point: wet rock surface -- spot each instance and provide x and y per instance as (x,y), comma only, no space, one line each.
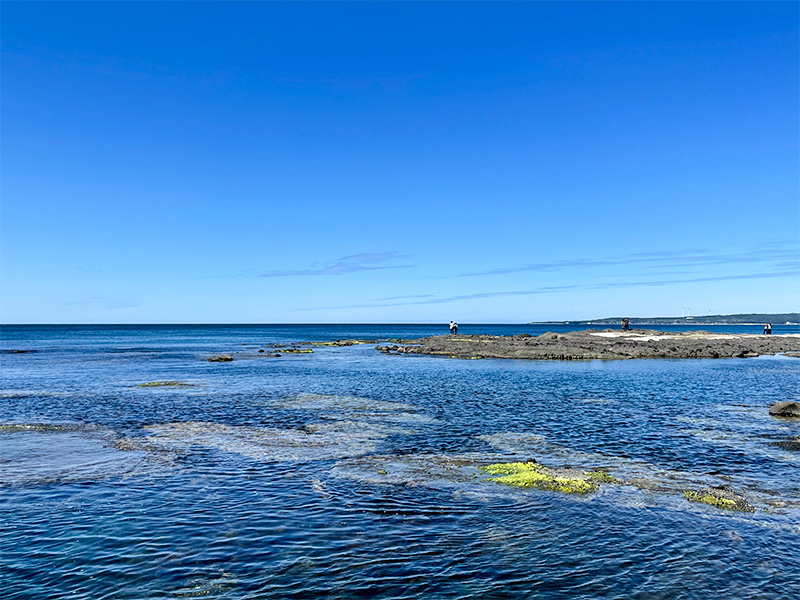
(793,444)
(340,343)
(787,408)
(608,344)
(220,358)
(720,497)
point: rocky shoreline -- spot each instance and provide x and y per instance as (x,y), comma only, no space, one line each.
(608,344)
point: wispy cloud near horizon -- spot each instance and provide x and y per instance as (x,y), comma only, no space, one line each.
(782,254)
(551,290)
(355,263)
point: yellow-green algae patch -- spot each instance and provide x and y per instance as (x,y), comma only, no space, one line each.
(531,474)
(720,498)
(164,384)
(296,351)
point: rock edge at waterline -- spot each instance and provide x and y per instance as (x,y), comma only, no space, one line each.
(607,344)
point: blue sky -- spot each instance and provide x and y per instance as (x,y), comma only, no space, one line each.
(397,162)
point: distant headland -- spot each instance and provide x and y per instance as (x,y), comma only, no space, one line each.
(739,319)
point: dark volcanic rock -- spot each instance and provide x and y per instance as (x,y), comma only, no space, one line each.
(793,444)
(788,408)
(608,344)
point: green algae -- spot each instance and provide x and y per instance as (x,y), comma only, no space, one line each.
(719,498)
(164,384)
(296,351)
(710,499)
(531,474)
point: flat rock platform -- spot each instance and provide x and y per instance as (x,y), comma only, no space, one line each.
(607,344)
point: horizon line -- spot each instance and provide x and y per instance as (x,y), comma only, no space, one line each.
(562,321)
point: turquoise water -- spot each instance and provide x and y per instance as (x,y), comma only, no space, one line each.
(347,473)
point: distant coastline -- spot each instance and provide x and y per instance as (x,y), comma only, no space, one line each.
(737,319)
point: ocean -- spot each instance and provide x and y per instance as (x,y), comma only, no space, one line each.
(347,473)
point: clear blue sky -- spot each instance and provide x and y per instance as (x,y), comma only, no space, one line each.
(397,162)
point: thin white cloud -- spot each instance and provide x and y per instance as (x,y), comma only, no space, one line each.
(779,253)
(354,263)
(555,289)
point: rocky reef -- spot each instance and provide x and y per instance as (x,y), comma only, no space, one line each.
(608,344)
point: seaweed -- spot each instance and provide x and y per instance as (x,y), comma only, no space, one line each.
(720,498)
(531,474)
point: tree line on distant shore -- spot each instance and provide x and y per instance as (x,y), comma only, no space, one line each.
(739,319)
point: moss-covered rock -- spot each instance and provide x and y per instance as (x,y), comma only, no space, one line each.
(531,474)
(602,477)
(720,497)
(296,350)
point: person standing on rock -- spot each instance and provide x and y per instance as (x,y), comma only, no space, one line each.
(453,326)
(625,324)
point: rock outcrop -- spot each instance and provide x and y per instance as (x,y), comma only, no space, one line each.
(593,344)
(788,408)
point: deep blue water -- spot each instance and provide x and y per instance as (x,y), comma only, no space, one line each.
(347,473)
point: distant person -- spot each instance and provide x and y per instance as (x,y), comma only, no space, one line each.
(455,328)
(769,328)
(626,324)
(452,327)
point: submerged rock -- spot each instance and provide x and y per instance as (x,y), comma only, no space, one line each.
(47,427)
(787,408)
(339,343)
(268,443)
(50,453)
(720,497)
(164,384)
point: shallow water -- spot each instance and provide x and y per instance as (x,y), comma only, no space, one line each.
(348,473)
